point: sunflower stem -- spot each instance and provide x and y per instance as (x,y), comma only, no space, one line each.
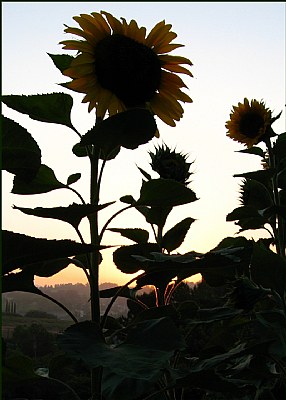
(96,373)
(278,231)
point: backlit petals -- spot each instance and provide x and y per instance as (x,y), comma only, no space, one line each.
(155,82)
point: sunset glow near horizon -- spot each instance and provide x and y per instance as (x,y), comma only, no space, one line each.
(238,51)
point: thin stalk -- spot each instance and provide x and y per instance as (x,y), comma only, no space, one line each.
(96,373)
(76,192)
(279,234)
(109,220)
(61,306)
(104,318)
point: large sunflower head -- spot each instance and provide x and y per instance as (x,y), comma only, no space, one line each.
(118,67)
(250,122)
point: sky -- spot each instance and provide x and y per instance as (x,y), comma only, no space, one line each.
(237,50)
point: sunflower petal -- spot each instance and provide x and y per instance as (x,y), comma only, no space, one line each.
(168,47)
(115,24)
(168,59)
(177,68)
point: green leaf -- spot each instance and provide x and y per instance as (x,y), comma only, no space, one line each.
(255,194)
(61,61)
(279,147)
(124,260)
(52,107)
(79,150)
(176,235)
(165,193)
(262,176)
(72,214)
(143,354)
(128,199)
(44,182)
(268,269)
(144,173)
(73,178)
(248,218)
(21,154)
(20,250)
(137,235)
(129,129)
(155,215)
(22,281)
(253,150)
(281,179)
(50,267)
(121,291)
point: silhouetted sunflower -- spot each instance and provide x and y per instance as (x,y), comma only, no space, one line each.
(118,66)
(249,123)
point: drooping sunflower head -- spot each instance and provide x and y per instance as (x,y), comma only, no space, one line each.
(250,122)
(170,164)
(118,67)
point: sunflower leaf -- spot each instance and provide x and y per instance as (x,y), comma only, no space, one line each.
(73,178)
(44,182)
(124,260)
(176,235)
(22,281)
(72,214)
(268,269)
(165,193)
(21,154)
(253,150)
(145,348)
(135,234)
(51,107)
(61,61)
(20,250)
(128,129)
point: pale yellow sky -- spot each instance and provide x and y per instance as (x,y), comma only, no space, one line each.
(238,50)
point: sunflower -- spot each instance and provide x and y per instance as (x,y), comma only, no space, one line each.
(249,123)
(118,67)
(170,164)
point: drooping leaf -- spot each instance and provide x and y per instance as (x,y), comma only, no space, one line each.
(248,218)
(72,214)
(73,178)
(61,61)
(139,236)
(143,354)
(50,107)
(165,193)
(176,235)
(50,267)
(21,154)
(22,281)
(124,261)
(44,181)
(128,129)
(20,250)
(155,215)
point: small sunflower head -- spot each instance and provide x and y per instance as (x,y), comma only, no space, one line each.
(170,164)
(250,123)
(245,294)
